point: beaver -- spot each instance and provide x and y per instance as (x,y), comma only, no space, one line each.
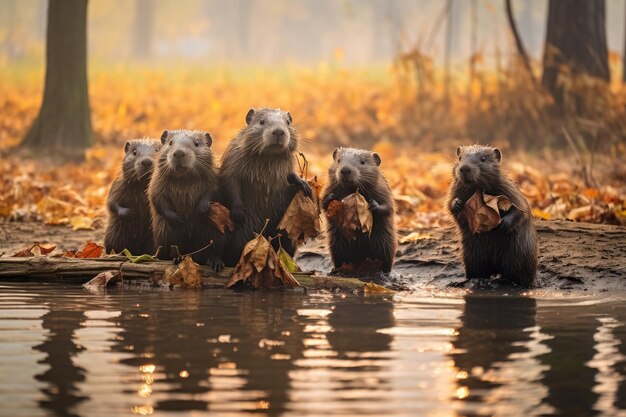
(510,249)
(184,182)
(358,169)
(128,226)
(258,180)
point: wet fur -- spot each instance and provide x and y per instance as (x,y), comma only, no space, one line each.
(179,200)
(128,225)
(511,248)
(258,183)
(367,178)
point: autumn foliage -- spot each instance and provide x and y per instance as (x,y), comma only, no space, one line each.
(331,107)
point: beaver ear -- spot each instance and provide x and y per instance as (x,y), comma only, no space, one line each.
(126,146)
(208,138)
(458,151)
(498,154)
(335,152)
(289,117)
(377,159)
(249,116)
(164,137)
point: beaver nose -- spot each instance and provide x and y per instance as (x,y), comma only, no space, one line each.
(278,133)
(465,169)
(345,170)
(179,153)
(147,163)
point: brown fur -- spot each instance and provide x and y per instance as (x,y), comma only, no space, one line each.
(128,226)
(352,170)
(511,248)
(258,179)
(184,182)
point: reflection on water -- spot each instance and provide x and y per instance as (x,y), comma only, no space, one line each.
(67,352)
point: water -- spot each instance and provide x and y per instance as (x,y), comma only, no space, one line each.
(65,351)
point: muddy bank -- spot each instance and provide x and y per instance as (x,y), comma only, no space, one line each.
(573,256)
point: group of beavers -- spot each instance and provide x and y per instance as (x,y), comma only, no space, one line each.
(162,198)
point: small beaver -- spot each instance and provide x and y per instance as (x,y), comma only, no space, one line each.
(128,226)
(184,182)
(511,248)
(352,170)
(257,178)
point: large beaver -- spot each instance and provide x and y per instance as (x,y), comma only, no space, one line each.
(184,182)
(258,179)
(511,248)
(352,170)
(128,226)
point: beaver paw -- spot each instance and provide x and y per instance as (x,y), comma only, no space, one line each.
(374,206)
(457,206)
(217,264)
(203,208)
(326,201)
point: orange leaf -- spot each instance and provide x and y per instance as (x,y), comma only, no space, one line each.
(90,250)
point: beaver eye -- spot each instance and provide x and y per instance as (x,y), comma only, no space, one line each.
(483,159)
(171,142)
(362,162)
(459,157)
(157,149)
(197,143)
(339,160)
(262,122)
(135,152)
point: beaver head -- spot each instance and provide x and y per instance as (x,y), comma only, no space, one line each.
(186,152)
(269,132)
(354,168)
(139,159)
(477,165)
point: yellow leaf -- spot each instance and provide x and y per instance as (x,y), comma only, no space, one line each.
(371,288)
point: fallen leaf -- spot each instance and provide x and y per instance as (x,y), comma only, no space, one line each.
(90,250)
(353,217)
(415,236)
(81,223)
(260,252)
(301,219)
(288,262)
(334,212)
(186,274)
(104,279)
(35,250)
(220,217)
(139,258)
(371,288)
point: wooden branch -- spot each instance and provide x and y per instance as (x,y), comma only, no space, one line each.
(521,50)
(79,271)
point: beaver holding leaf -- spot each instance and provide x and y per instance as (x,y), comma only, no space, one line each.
(506,246)
(352,171)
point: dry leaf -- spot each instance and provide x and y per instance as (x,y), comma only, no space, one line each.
(288,262)
(482,211)
(90,250)
(415,236)
(81,223)
(301,219)
(220,217)
(261,267)
(35,250)
(353,217)
(104,279)
(371,288)
(186,274)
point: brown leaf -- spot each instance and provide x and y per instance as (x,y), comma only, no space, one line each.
(186,274)
(334,212)
(104,279)
(353,217)
(35,250)
(90,250)
(301,219)
(482,211)
(220,217)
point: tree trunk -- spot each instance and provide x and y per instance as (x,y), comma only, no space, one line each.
(64,120)
(575,42)
(143,29)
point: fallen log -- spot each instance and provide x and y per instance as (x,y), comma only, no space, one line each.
(79,271)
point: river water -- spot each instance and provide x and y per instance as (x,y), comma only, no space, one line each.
(66,351)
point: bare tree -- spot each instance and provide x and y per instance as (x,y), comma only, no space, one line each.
(64,120)
(576,40)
